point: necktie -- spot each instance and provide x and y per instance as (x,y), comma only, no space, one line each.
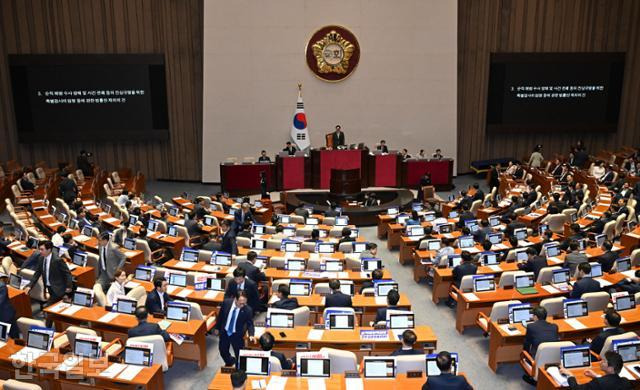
(103,259)
(231,328)
(46,272)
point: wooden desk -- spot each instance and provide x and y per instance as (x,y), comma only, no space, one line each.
(20,302)
(194,348)
(383,221)
(546,382)
(175,243)
(630,240)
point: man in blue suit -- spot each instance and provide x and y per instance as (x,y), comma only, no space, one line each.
(158,298)
(337,298)
(145,328)
(585,284)
(538,332)
(393,297)
(409,338)
(446,380)
(240,217)
(234,319)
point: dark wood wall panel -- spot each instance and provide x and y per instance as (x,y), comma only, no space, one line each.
(172,27)
(486,26)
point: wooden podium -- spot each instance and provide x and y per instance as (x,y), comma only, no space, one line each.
(345,183)
(329,140)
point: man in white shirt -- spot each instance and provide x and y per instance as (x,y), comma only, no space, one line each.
(57,239)
(123,198)
(56,278)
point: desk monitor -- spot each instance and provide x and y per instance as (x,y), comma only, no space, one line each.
(495,238)
(87,230)
(574,217)
(520,233)
(347,288)
(561,276)
(295,265)
(79,259)
(130,244)
(432,366)
(465,242)
(629,349)
(521,255)
(173,211)
(289,231)
(125,306)
(312,221)
(106,207)
(325,247)
(38,340)
(257,204)
(415,231)
(600,238)
(258,244)
(280,320)
(542,229)
(173,231)
(152,226)
(190,255)
(454,261)
(15,281)
(144,273)
(4,331)
(519,313)
(133,219)
(314,367)
(472,225)
(489,258)
(383,288)
(137,356)
(300,289)
(341,321)
(83,298)
(596,270)
(179,280)
(208,220)
(574,357)
(624,302)
(484,283)
(445,228)
(417,206)
(402,219)
(258,229)
(74,223)
(341,221)
(429,216)
(494,221)
(393,211)
(178,311)
(575,308)
(525,280)
(623,264)
(221,258)
(283,218)
(216,284)
(323,233)
(355,232)
(359,247)
(553,250)
(87,348)
(333,266)
(32,243)
(401,321)
(369,265)
(254,365)
(453,214)
(582,244)
(379,367)
(292,247)
(433,245)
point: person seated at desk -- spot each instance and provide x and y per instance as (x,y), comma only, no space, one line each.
(598,225)
(377,274)
(7,311)
(428,235)
(145,328)
(414,220)
(442,256)
(481,234)
(315,236)
(446,380)
(479,194)
(332,211)
(338,137)
(611,365)
(576,235)
(337,298)
(466,215)
(511,220)
(612,327)
(607,177)
(263,157)
(266,344)
(539,331)
(279,234)
(235,318)
(254,273)
(409,339)
(608,258)
(585,284)
(370,199)
(437,155)
(370,252)
(383,147)
(465,200)
(574,257)
(534,262)
(25,183)
(157,298)
(466,267)
(631,286)
(346,236)
(56,239)
(238,380)
(284,302)
(421,155)
(404,155)
(240,282)
(393,297)
(117,286)
(290,149)
(598,170)
(240,217)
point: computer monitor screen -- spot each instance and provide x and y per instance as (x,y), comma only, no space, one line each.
(453,214)
(561,276)
(295,264)
(152,226)
(15,281)
(215,284)
(429,216)
(125,306)
(173,211)
(495,238)
(522,255)
(143,274)
(179,280)
(178,312)
(347,288)
(312,221)
(254,365)
(596,270)
(79,259)
(258,244)
(432,366)
(323,233)
(481,284)
(38,340)
(489,258)
(221,258)
(173,231)
(82,299)
(341,221)
(378,367)
(4,331)
(292,247)
(520,313)
(369,265)
(392,211)
(299,289)
(415,230)
(258,229)
(628,349)
(582,244)
(383,288)
(133,219)
(87,230)
(494,221)
(574,357)
(524,281)
(341,321)
(401,321)
(281,320)
(86,348)
(130,244)
(600,239)
(623,264)
(542,229)
(333,266)
(326,247)
(359,247)
(315,367)
(190,255)
(573,309)
(465,242)
(445,228)
(402,219)
(625,302)
(520,234)
(454,261)
(137,356)
(553,250)
(284,218)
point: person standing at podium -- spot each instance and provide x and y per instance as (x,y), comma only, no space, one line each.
(338,137)
(290,149)
(383,147)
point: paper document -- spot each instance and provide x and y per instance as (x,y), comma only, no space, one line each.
(603,282)
(258,384)
(554,372)
(73,309)
(294,274)
(555,260)
(550,289)
(575,324)
(27,354)
(58,307)
(185,264)
(108,317)
(354,384)
(381,300)
(130,372)
(211,294)
(69,363)
(131,284)
(164,324)
(495,268)
(171,289)
(277,383)
(316,383)
(185,293)
(471,296)
(315,334)
(624,373)
(505,328)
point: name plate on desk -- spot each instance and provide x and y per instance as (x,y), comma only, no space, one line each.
(374,335)
(414,374)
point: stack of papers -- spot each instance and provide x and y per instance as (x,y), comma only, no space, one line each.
(555,374)
(316,383)
(27,354)
(73,309)
(354,384)
(185,264)
(108,317)
(495,268)
(69,363)
(113,370)
(550,289)
(315,334)
(381,300)
(211,294)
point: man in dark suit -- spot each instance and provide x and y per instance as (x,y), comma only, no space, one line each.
(446,380)
(332,211)
(301,211)
(240,217)
(513,225)
(193,224)
(383,147)
(337,298)
(284,302)
(158,298)
(7,312)
(580,157)
(240,282)
(338,137)
(55,274)
(479,194)
(529,198)
(266,344)
(608,258)
(68,189)
(376,274)
(290,149)
(110,260)
(145,328)
(585,284)
(466,215)
(235,318)
(494,176)
(534,263)
(466,267)
(346,236)
(408,340)
(250,269)
(598,225)
(263,157)
(393,297)
(227,240)
(611,328)
(539,331)
(481,234)
(83,163)
(25,183)
(611,365)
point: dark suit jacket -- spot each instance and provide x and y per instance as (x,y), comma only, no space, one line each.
(68,189)
(338,299)
(252,271)
(479,195)
(381,313)
(598,225)
(338,139)
(466,216)
(253,299)
(607,382)
(7,312)
(580,158)
(284,362)
(331,213)
(607,260)
(598,342)
(145,328)
(239,220)
(405,352)
(512,226)
(153,302)
(534,265)
(287,304)
(228,243)
(383,148)
(27,185)
(446,382)
(84,165)
(60,278)
(465,268)
(292,150)
(193,227)
(584,285)
(244,321)
(539,332)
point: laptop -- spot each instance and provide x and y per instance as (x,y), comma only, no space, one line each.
(299,289)
(401,321)
(382,288)
(325,247)
(87,348)
(342,321)
(216,284)
(629,349)
(489,258)
(484,283)
(144,273)
(280,320)
(524,283)
(130,244)
(519,313)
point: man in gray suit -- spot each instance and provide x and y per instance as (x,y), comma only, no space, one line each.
(574,258)
(110,260)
